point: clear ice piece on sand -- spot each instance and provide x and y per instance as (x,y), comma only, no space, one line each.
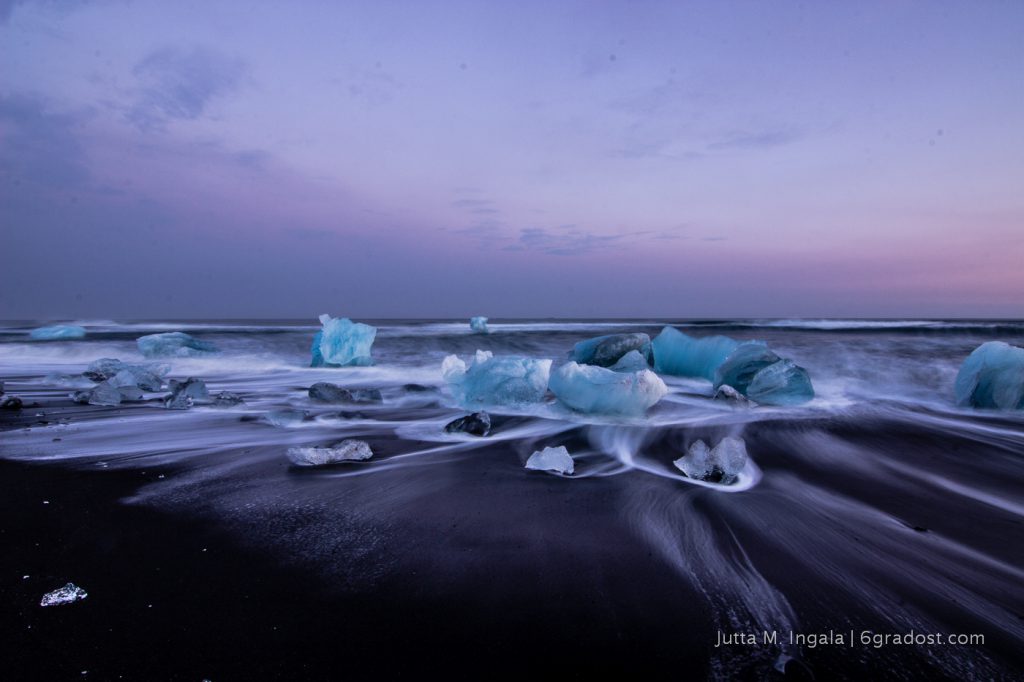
(992,376)
(719,464)
(65,595)
(345,451)
(479,325)
(677,354)
(186,393)
(173,344)
(780,383)
(593,389)
(502,380)
(57,332)
(605,351)
(342,343)
(552,459)
(105,394)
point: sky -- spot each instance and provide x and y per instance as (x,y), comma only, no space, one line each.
(528,159)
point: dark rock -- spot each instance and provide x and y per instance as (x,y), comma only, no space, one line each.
(417,388)
(10,402)
(227,399)
(476,424)
(323,392)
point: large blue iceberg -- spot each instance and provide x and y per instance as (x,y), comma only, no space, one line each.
(173,345)
(342,343)
(681,355)
(592,389)
(503,380)
(479,325)
(57,332)
(992,376)
(605,351)
(750,367)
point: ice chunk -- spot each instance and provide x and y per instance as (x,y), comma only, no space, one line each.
(552,459)
(173,344)
(728,394)
(149,377)
(992,376)
(479,325)
(106,394)
(65,595)
(738,370)
(720,465)
(605,351)
(345,451)
(57,332)
(476,424)
(69,380)
(502,380)
(125,383)
(342,342)
(681,355)
(632,361)
(186,393)
(592,389)
(781,383)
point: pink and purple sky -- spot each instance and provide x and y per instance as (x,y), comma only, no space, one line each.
(532,159)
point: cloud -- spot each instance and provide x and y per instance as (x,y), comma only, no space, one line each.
(759,139)
(564,241)
(39,145)
(179,84)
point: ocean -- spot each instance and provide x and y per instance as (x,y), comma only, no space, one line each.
(879,508)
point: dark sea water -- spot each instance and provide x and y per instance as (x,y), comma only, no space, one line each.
(879,507)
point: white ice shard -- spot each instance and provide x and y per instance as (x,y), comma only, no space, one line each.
(345,451)
(65,595)
(479,325)
(593,389)
(342,343)
(552,459)
(719,464)
(992,376)
(502,380)
(173,344)
(57,332)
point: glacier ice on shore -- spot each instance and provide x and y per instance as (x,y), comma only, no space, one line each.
(186,393)
(490,380)
(749,367)
(593,389)
(632,361)
(173,344)
(720,464)
(345,451)
(148,377)
(479,325)
(342,343)
(992,376)
(65,595)
(681,355)
(57,331)
(552,459)
(605,351)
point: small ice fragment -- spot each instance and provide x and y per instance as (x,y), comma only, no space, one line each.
(342,342)
(57,332)
(476,424)
(605,351)
(681,355)
(367,395)
(728,394)
(186,393)
(720,464)
(551,459)
(503,380)
(346,450)
(479,325)
(174,344)
(65,595)
(285,417)
(992,376)
(69,380)
(593,389)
